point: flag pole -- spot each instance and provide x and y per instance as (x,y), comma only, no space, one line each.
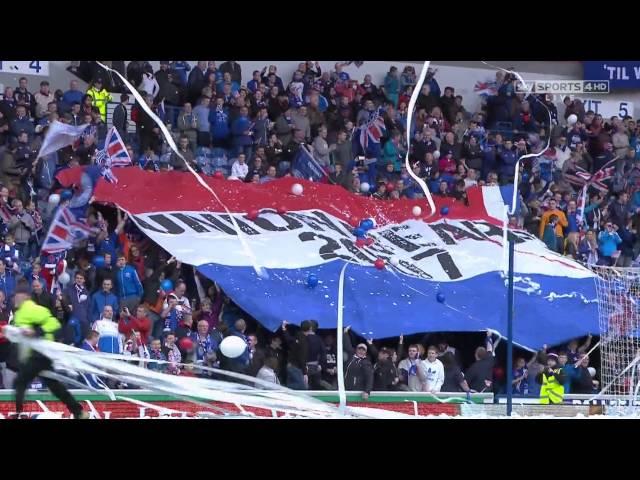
(510,327)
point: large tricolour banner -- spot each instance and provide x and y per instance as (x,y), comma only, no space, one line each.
(459,255)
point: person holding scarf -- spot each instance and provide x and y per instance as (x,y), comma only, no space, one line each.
(76,296)
(206,343)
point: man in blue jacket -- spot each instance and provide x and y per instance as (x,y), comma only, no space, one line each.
(241,139)
(508,161)
(77,297)
(608,241)
(7,280)
(128,286)
(102,298)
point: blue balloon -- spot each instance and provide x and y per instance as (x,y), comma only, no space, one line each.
(312,280)
(66,195)
(359,232)
(366,224)
(166,285)
(98,261)
(440,297)
(444,210)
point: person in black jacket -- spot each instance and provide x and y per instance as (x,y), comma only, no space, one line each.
(41,296)
(385,373)
(314,357)
(480,375)
(234,69)
(196,82)
(120,115)
(454,380)
(297,378)
(582,381)
(358,371)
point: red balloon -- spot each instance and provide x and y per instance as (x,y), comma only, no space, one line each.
(185,344)
(253,214)
(390,187)
(369,241)
(218,175)
(282,210)
(360,242)
(379,264)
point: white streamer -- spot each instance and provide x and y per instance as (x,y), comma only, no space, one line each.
(260,271)
(410,114)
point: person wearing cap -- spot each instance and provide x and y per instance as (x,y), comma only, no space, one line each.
(551,380)
(358,371)
(100,97)
(37,321)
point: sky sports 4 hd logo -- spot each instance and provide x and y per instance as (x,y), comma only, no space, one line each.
(563,87)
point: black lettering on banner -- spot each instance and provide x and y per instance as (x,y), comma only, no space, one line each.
(322,218)
(459,233)
(292,223)
(413,268)
(265,224)
(446,262)
(218,225)
(326,251)
(194,223)
(307,220)
(160,219)
(399,241)
(243,226)
(442,233)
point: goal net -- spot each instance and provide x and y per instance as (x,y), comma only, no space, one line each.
(618,292)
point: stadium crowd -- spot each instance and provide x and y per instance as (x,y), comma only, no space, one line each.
(255,127)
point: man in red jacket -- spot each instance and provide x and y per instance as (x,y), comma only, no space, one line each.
(140,323)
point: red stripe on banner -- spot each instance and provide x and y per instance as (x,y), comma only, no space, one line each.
(139,191)
(60,232)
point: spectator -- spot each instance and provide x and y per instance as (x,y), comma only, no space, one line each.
(582,380)
(520,383)
(206,341)
(408,369)
(185,150)
(385,373)
(358,371)
(220,127)
(608,241)
(256,355)
(8,104)
(41,296)
(241,134)
(23,97)
(42,100)
(480,375)
(561,223)
(297,378)
(392,86)
(188,124)
(267,372)
(156,354)
(107,328)
(21,225)
(232,68)
(171,352)
(73,95)
(128,286)
(321,150)
(100,97)
(454,380)
(22,123)
(119,118)
(329,364)
(201,114)
(7,281)
(431,371)
(239,168)
(196,81)
(103,298)
(300,120)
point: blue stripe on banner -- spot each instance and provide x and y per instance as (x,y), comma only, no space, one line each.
(381,304)
(507,196)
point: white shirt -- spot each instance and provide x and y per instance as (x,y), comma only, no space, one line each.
(268,375)
(433,373)
(239,170)
(414,382)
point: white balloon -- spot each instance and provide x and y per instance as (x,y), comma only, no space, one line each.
(54,199)
(572,119)
(64,278)
(592,371)
(436,154)
(364,187)
(233,346)
(417,211)
(297,189)
(394,261)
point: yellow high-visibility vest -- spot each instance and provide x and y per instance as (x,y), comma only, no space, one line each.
(551,391)
(100,100)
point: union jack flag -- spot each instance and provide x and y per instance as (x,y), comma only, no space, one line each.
(373,130)
(579,177)
(485,89)
(65,232)
(114,154)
